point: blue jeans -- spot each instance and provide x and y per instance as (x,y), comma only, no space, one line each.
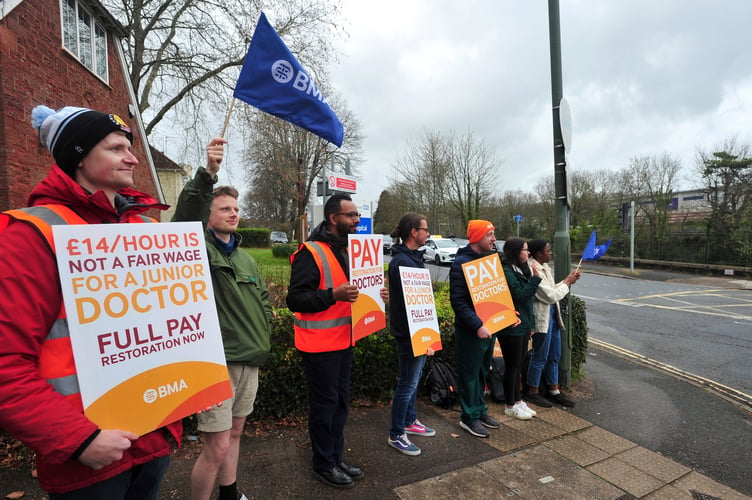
(139,483)
(546,353)
(403,402)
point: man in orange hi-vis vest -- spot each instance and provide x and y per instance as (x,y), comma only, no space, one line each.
(321,296)
(40,402)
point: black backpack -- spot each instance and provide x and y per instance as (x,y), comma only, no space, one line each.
(441,382)
(495,380)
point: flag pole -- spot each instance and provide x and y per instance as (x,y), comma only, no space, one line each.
(232,101)
(227,118)
(577,269)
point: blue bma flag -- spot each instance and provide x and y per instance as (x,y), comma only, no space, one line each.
(593,252)
(273,80)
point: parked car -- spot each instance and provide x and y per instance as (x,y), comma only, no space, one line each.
(387,241)
(278,237)
(440,250)
(461,241)
(499,244)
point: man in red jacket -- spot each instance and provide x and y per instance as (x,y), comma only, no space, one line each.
(40,402)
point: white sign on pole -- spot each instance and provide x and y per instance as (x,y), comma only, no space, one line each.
(565,123)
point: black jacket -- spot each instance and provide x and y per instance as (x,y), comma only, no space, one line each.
(304,295)
(401,256)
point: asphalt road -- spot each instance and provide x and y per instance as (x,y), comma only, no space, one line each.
(665,414)
(703,330)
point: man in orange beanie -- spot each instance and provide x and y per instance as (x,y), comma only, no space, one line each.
(474,342)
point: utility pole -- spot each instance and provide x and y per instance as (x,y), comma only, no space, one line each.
(562,255)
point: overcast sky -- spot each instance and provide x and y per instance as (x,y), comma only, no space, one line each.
(642,77)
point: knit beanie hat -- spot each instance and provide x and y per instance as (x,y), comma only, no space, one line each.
(70,133)
(477,229)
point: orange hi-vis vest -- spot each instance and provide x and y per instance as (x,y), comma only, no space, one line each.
(56,363)
(328,330)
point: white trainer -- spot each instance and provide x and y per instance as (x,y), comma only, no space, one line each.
(527,408)
(517,412)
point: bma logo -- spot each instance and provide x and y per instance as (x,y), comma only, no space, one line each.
(282,71)
(152,395)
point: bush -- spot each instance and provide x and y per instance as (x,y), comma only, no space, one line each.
(283,250)
(255,237)
(445,315)
(282,385)
(578,324)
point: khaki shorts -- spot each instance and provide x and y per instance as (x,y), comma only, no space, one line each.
(244,380)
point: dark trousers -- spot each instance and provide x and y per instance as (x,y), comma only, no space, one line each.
(139,483)
(514,349)
(328,375)
(472,361)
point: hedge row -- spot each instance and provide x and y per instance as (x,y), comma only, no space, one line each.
(282,385)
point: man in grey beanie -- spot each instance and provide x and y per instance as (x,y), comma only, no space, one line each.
(40,403)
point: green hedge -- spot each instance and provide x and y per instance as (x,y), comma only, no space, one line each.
(255,237)
(282,385)
(283,250)
(578,324)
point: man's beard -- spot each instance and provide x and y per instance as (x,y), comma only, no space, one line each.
(343,229)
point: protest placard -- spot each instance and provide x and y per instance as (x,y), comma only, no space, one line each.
(489,292)
(143,323)
(420,306)
(366,273)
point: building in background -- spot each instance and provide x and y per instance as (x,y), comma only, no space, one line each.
(60,53)
(172,178)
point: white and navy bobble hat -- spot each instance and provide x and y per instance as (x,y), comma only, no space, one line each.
(70,133)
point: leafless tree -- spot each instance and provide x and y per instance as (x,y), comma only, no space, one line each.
(283,162)
(472,175)
(184,56)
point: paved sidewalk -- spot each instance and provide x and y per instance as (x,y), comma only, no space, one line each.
(556,455)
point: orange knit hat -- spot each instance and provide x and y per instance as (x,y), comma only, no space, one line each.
(477,229)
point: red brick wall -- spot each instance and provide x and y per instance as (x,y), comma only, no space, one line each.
(35,69)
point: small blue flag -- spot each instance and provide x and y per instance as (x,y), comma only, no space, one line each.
(273,80)
(593,252)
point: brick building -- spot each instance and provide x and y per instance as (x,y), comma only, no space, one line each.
(60,53)
(172,178)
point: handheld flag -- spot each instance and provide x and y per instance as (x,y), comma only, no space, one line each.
(273,80)
(593,252)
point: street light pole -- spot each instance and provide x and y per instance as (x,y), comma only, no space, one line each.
(562,257)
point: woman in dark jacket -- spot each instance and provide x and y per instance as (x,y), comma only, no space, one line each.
(523,284)
(410,234)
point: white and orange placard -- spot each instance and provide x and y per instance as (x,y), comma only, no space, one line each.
(143,323)
(489,292)
(420,306)
(367,273)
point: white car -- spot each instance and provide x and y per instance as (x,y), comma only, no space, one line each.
(440,250)
(278,237)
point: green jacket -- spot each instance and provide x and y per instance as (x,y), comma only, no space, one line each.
(240,293)
(523,291)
